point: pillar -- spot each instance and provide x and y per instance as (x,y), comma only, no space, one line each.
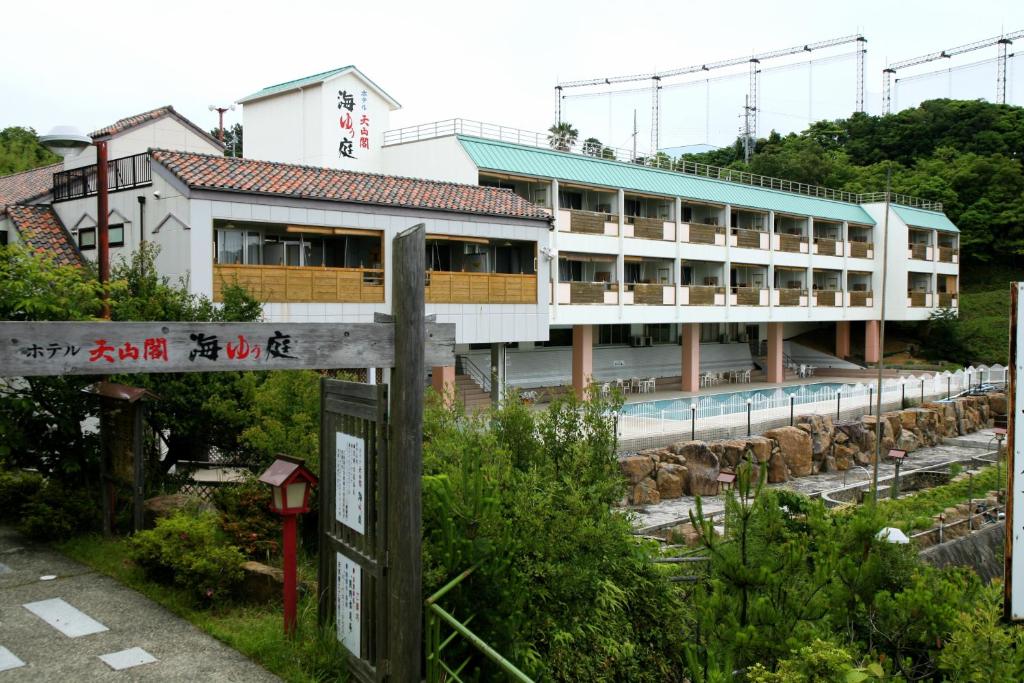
(871,333)
(690,334)
(774,368)
(443,382)
(842,338)
(497,372)
(582,358)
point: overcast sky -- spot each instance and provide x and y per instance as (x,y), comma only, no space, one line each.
(89,64)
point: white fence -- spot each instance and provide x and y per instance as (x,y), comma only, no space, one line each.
(723,416)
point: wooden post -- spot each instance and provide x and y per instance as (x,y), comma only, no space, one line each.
(405,459)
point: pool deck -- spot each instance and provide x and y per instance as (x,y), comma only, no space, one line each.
(675,511)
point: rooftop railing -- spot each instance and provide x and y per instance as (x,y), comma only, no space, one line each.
(660,160)
(124,173)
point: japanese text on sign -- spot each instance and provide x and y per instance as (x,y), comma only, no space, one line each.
(349,499)
(349,597)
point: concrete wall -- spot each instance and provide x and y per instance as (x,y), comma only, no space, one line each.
(438,159)
(165,133)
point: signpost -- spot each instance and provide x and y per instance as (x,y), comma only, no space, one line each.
(1013,573)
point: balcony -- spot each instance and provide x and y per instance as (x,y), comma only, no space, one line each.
(480,288)
(589,222)
(650,294)
(949,255)
(827,246)
(828,297)
(861,249)
(859,298)
(749,296)
(122,174)
(919,251)
(748,239)
(948,300)
(587,293)
(792,243)
(919,299)
(702,233)
(789,296)
(650,228)
(301,284)
(701,295)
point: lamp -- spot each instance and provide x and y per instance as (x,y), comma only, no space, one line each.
(65,141)
(291,484)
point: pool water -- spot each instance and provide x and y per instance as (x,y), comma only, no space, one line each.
(735,401)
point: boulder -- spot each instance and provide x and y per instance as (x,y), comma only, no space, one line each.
(732,452)
(908,442)
(670,480)
(908,418)
(821,429)
(761,446)
(777,469)
(996,403)
(646,493)
(795,446)
(685,534)
(159,507)
(261,583)
(636,467)
(844,457)
(895,424)
(702,467)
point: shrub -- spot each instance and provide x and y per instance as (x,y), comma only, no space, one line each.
(57,511)
(190,551)
(17,487)
(285,417)
(247,519)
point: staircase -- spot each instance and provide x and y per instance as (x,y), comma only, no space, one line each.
(470,393)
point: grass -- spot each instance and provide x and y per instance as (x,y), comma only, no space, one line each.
(916,511)
(312,656)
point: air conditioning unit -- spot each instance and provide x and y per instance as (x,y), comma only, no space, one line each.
(636,340)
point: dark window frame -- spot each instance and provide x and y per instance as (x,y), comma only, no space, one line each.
(86,247)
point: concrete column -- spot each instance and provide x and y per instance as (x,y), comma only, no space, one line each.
(774,368)
(871,349)
(498,380)
(842,338)
(582,358)
(690,333)
(443,382)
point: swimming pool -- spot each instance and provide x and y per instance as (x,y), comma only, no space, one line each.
(735,401)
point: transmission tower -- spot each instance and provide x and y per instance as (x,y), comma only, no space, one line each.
(655,112)
(861,51)
(748,134)
(751,106)
(1001,70)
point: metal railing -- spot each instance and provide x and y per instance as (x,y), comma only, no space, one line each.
(437,670)
(124,173)
(724,416)
(491,131)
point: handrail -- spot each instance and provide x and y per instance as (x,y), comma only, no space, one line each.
(434,644)
(475,373)
(660,160)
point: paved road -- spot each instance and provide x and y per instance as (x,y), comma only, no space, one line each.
(101,617)
(677,509)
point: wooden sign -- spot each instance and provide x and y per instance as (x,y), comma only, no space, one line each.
(34,349)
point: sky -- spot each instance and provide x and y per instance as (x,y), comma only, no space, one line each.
(89,64)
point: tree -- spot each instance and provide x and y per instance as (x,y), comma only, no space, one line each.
(232,139)
(562,136)
(20,151)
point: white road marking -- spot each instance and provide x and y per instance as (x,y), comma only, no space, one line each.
(8,660)
(126,659)
(65,618)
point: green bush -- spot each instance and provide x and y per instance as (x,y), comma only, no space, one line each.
(17,487)
(284,412)
(190,551)
(247,519)
(57,511)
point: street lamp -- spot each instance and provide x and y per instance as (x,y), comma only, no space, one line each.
(68,142)
(220,112)
(291,484)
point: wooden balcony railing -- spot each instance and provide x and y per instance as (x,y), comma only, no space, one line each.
(649,294)
(703,295)
(827,297)
(297,284)
(789,296)
(747,296)
(647,228)
(918,299)
(861,249)
(480,288)
(947,299)
(704,234)
(947,254)
(589,222)
(589,292)
(790,243)
(748,239)
(918,251)
(860,298)
(826,246)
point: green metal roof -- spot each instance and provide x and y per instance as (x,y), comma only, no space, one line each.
(534,161)
(919,218)
(315,78)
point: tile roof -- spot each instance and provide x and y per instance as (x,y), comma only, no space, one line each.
(41,229)
(137,120)
(18,188)
(512,158)
(210,172)
(921,218)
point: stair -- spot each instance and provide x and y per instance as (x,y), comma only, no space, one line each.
(470,393)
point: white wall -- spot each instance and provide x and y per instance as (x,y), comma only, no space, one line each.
(437,159)
(275,127)
(165,133)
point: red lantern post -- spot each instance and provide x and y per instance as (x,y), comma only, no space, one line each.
(292,484)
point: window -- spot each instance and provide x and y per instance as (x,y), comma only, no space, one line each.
(115,234)
(570,200)
(3,238)
(632,207)
(86,238)
(613,334)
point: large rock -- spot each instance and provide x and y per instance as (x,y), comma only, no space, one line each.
(646,493)
(761,446)
(821,429)
(777,469)
(856,436)
(795,445)
(996,403)
(702,467)
(637,467)
(731,452)
(670,480)
(908,442)
(844,457)
(261,583)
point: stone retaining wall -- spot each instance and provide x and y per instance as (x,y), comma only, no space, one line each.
(814,444)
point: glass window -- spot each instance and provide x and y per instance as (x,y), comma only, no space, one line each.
(229,246)
(87,238)
(115,234)
(253,248)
